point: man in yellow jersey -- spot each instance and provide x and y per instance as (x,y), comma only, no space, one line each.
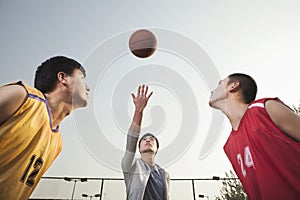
(30,139)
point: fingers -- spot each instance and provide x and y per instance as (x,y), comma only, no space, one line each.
(133,96)
(140,100)
(150,95)
(142,91)
(143,87)
(146,89)
(139,91)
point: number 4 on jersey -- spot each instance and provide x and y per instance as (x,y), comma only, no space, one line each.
(247,160)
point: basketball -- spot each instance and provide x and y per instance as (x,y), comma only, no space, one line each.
(142,43)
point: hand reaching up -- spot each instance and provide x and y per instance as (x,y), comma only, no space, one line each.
(141,99)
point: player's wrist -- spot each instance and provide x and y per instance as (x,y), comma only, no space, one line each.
(139,110)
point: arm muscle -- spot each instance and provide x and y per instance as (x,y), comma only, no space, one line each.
(284,118)
(11,98)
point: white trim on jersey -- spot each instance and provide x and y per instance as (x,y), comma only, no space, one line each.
(262,105)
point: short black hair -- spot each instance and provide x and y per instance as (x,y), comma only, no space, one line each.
(247,85)
(46,74)
(151,135)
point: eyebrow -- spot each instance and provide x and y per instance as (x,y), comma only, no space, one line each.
(150,137)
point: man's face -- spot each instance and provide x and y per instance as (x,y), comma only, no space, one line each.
(148,144)
(79,88)
(220,93)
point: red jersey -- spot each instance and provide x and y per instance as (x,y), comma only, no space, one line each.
(266,161)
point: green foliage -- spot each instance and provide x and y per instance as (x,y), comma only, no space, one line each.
(297,110)
(232,188)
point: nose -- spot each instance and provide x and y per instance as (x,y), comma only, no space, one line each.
(87,87)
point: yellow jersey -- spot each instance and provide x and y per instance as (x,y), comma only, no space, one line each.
(28,146)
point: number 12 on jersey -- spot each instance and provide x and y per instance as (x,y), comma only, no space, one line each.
(36,168)
(248,161)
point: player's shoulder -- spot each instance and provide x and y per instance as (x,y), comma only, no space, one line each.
(273,106)
(17,92)
(30,91)
(262,102)
(16,89)
(277,105)
(12,97)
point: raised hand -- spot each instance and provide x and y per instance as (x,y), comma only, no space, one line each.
(141,99)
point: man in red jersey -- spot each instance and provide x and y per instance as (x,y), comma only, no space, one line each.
(264,144)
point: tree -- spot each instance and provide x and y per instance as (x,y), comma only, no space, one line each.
(232,188)
(297,110)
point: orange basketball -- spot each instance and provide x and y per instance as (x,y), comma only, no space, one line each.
(142,43)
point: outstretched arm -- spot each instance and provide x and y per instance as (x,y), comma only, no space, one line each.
(284,118)
(12,97)
(140,101)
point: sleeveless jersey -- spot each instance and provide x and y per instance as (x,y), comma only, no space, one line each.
(266,161)
(28,146)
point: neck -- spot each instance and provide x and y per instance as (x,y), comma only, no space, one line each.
(233,107)
(149,158)
(234,112)
(58,109)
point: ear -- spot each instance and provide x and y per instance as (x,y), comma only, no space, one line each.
(234,87)
(62,77)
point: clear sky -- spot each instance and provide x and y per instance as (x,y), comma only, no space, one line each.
(199,42)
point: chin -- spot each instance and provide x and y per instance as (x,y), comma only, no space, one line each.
(80,105)
(84,104)
(148,151)
(210,103)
